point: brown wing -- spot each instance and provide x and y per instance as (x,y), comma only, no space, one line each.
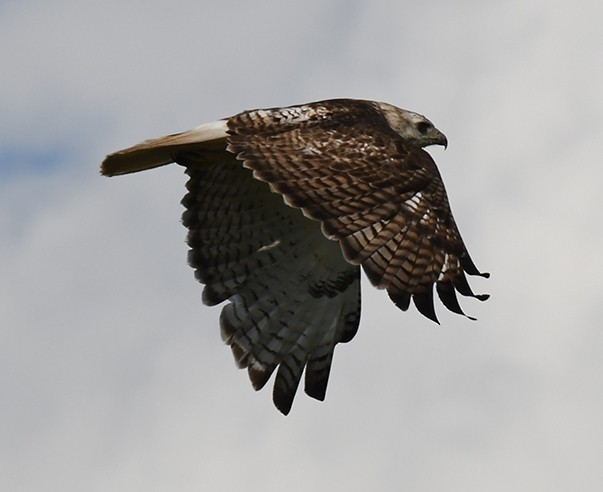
(381,198)
(292,295)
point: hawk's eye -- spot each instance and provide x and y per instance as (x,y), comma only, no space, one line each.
(423,127)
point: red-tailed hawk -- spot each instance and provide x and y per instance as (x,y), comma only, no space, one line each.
(283,207)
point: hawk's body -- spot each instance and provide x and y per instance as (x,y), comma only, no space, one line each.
(283,207)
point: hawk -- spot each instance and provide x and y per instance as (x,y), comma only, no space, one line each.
(284,206)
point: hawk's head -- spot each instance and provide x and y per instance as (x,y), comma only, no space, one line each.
(413,127)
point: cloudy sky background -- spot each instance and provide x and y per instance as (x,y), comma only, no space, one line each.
(113,375)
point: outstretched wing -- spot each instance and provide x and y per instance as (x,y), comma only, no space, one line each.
(382,199)
(292,295)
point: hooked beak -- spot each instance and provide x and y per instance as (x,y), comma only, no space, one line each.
(438,138)
(433,137)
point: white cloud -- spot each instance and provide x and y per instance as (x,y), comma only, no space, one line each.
(113,373)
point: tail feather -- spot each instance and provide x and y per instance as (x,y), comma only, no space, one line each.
(160,151)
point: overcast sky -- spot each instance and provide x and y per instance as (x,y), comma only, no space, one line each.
(113,375)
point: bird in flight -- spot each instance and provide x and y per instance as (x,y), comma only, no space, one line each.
(284,205)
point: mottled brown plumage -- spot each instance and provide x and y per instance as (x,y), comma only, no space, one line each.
(283,207)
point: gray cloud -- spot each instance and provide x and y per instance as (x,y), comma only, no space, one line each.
(113,373)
